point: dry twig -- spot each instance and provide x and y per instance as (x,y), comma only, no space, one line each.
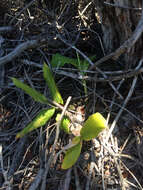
(54,145)
(67,179)
(124,104)
(127,45)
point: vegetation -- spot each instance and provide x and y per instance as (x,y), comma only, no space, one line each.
(63,66)
(91,128)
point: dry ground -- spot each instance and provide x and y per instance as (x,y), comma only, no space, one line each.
(112,161)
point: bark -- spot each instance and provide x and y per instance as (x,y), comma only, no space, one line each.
(119,19)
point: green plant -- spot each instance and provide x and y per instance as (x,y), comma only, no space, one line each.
(82,65)
(91,128)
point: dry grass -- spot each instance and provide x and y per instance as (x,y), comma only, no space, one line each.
(114,159)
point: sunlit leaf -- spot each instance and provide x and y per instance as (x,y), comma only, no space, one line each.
(71,156)
(65,123)
(93,126)
(51,84)
(40,120)
(37,96)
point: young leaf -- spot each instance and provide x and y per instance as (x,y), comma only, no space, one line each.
(64,124)
(71,156)
(37,96)
(93,126)
(51,84)
(40,120)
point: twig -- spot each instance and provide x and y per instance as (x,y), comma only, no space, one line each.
(31,63)
(121,110)
(124,104)
(17,15)
(118,165)
(67,179)
(132,176)
(122,7)
(110,83)
(5,29)
(18,155)
(76,179)
(54,145)
(90,62)
(18,50)
(102,165)
(60,120)
(92,164)
(126,45)
(37,180)
(76,49)
(7,181)
(67,112)
(120,76)
(116,157)
(113,154)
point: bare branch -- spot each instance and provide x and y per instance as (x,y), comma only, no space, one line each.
(127,45)
(122,7)
(4,29)
(18,50)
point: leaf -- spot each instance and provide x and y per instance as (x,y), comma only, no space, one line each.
(40,120)
(51,84)
(64,124)
(60,60)
(71,156)
(93,126)
(76,140)
(37,96)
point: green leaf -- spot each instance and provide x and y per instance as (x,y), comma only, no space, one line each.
(60,60)
(71,156)
(37,96)
(76,140)
(93,126)
(51,84)
(40,120)
(65,124)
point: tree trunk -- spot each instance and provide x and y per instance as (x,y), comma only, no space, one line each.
(119,19)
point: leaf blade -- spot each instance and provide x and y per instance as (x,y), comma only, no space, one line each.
(71,156)
(51,84)
(59,60)
(65,123)
(93,126)
(37,96)
(41,119)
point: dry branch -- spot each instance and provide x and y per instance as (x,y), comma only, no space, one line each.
(125,102)
(18,50)
(122,7)
(123,75)
(5,29)
(127,45)
(43,187)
